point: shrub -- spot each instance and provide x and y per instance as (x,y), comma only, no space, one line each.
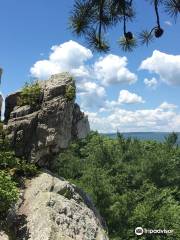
(30,95)
(13,171)
(8,192)
(26,169)
(70,92)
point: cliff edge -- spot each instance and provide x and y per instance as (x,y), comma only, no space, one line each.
(40,132)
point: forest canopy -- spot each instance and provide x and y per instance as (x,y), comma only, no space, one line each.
(133,183)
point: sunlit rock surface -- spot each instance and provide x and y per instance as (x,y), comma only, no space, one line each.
(53,209)
(41,132)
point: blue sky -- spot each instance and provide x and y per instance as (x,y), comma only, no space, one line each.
(112,88)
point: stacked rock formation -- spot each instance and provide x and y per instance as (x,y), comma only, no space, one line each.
(40,132)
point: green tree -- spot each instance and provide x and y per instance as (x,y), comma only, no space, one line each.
(92,19)
(171,139)
(132,182)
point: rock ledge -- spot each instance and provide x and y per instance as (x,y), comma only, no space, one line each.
(53,209)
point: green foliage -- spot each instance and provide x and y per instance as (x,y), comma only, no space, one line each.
(8,192)
(12,172)
(171,139)
(70,92)
(30,94)
(132,182)
(24,169)
(127,45)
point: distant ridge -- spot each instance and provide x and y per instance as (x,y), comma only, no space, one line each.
(157,136)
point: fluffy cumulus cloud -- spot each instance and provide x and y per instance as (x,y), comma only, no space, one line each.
(165,65)
(94,80)
(91,78)
(151,83)
(127,97)
(157,119)
(91,94)
(69,56)
(72,57)
(168,106)
(112,69)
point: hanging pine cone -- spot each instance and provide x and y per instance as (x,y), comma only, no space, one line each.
(158,32)
(128,35)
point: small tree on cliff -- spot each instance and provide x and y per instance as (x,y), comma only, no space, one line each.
(92,19)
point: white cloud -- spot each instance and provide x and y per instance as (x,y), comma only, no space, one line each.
(151,83)
(91,94)
(127,97)
(144,120)
(69,56)
(44,69)
(112,69)
(93,79)
(176,123)
(168,106)
(165,65)
(81,72)
(168,23)
(73,57)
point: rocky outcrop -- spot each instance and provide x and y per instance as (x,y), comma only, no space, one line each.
(3,236)
(40,132)
(49,208)
(10,103)
(53,209)
(1,101)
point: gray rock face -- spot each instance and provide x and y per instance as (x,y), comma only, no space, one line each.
(53,209)
(41,132)
(1,101)
(10,103)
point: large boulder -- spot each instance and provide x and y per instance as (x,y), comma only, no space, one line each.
(3,236)
(53,209)
(40,132)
